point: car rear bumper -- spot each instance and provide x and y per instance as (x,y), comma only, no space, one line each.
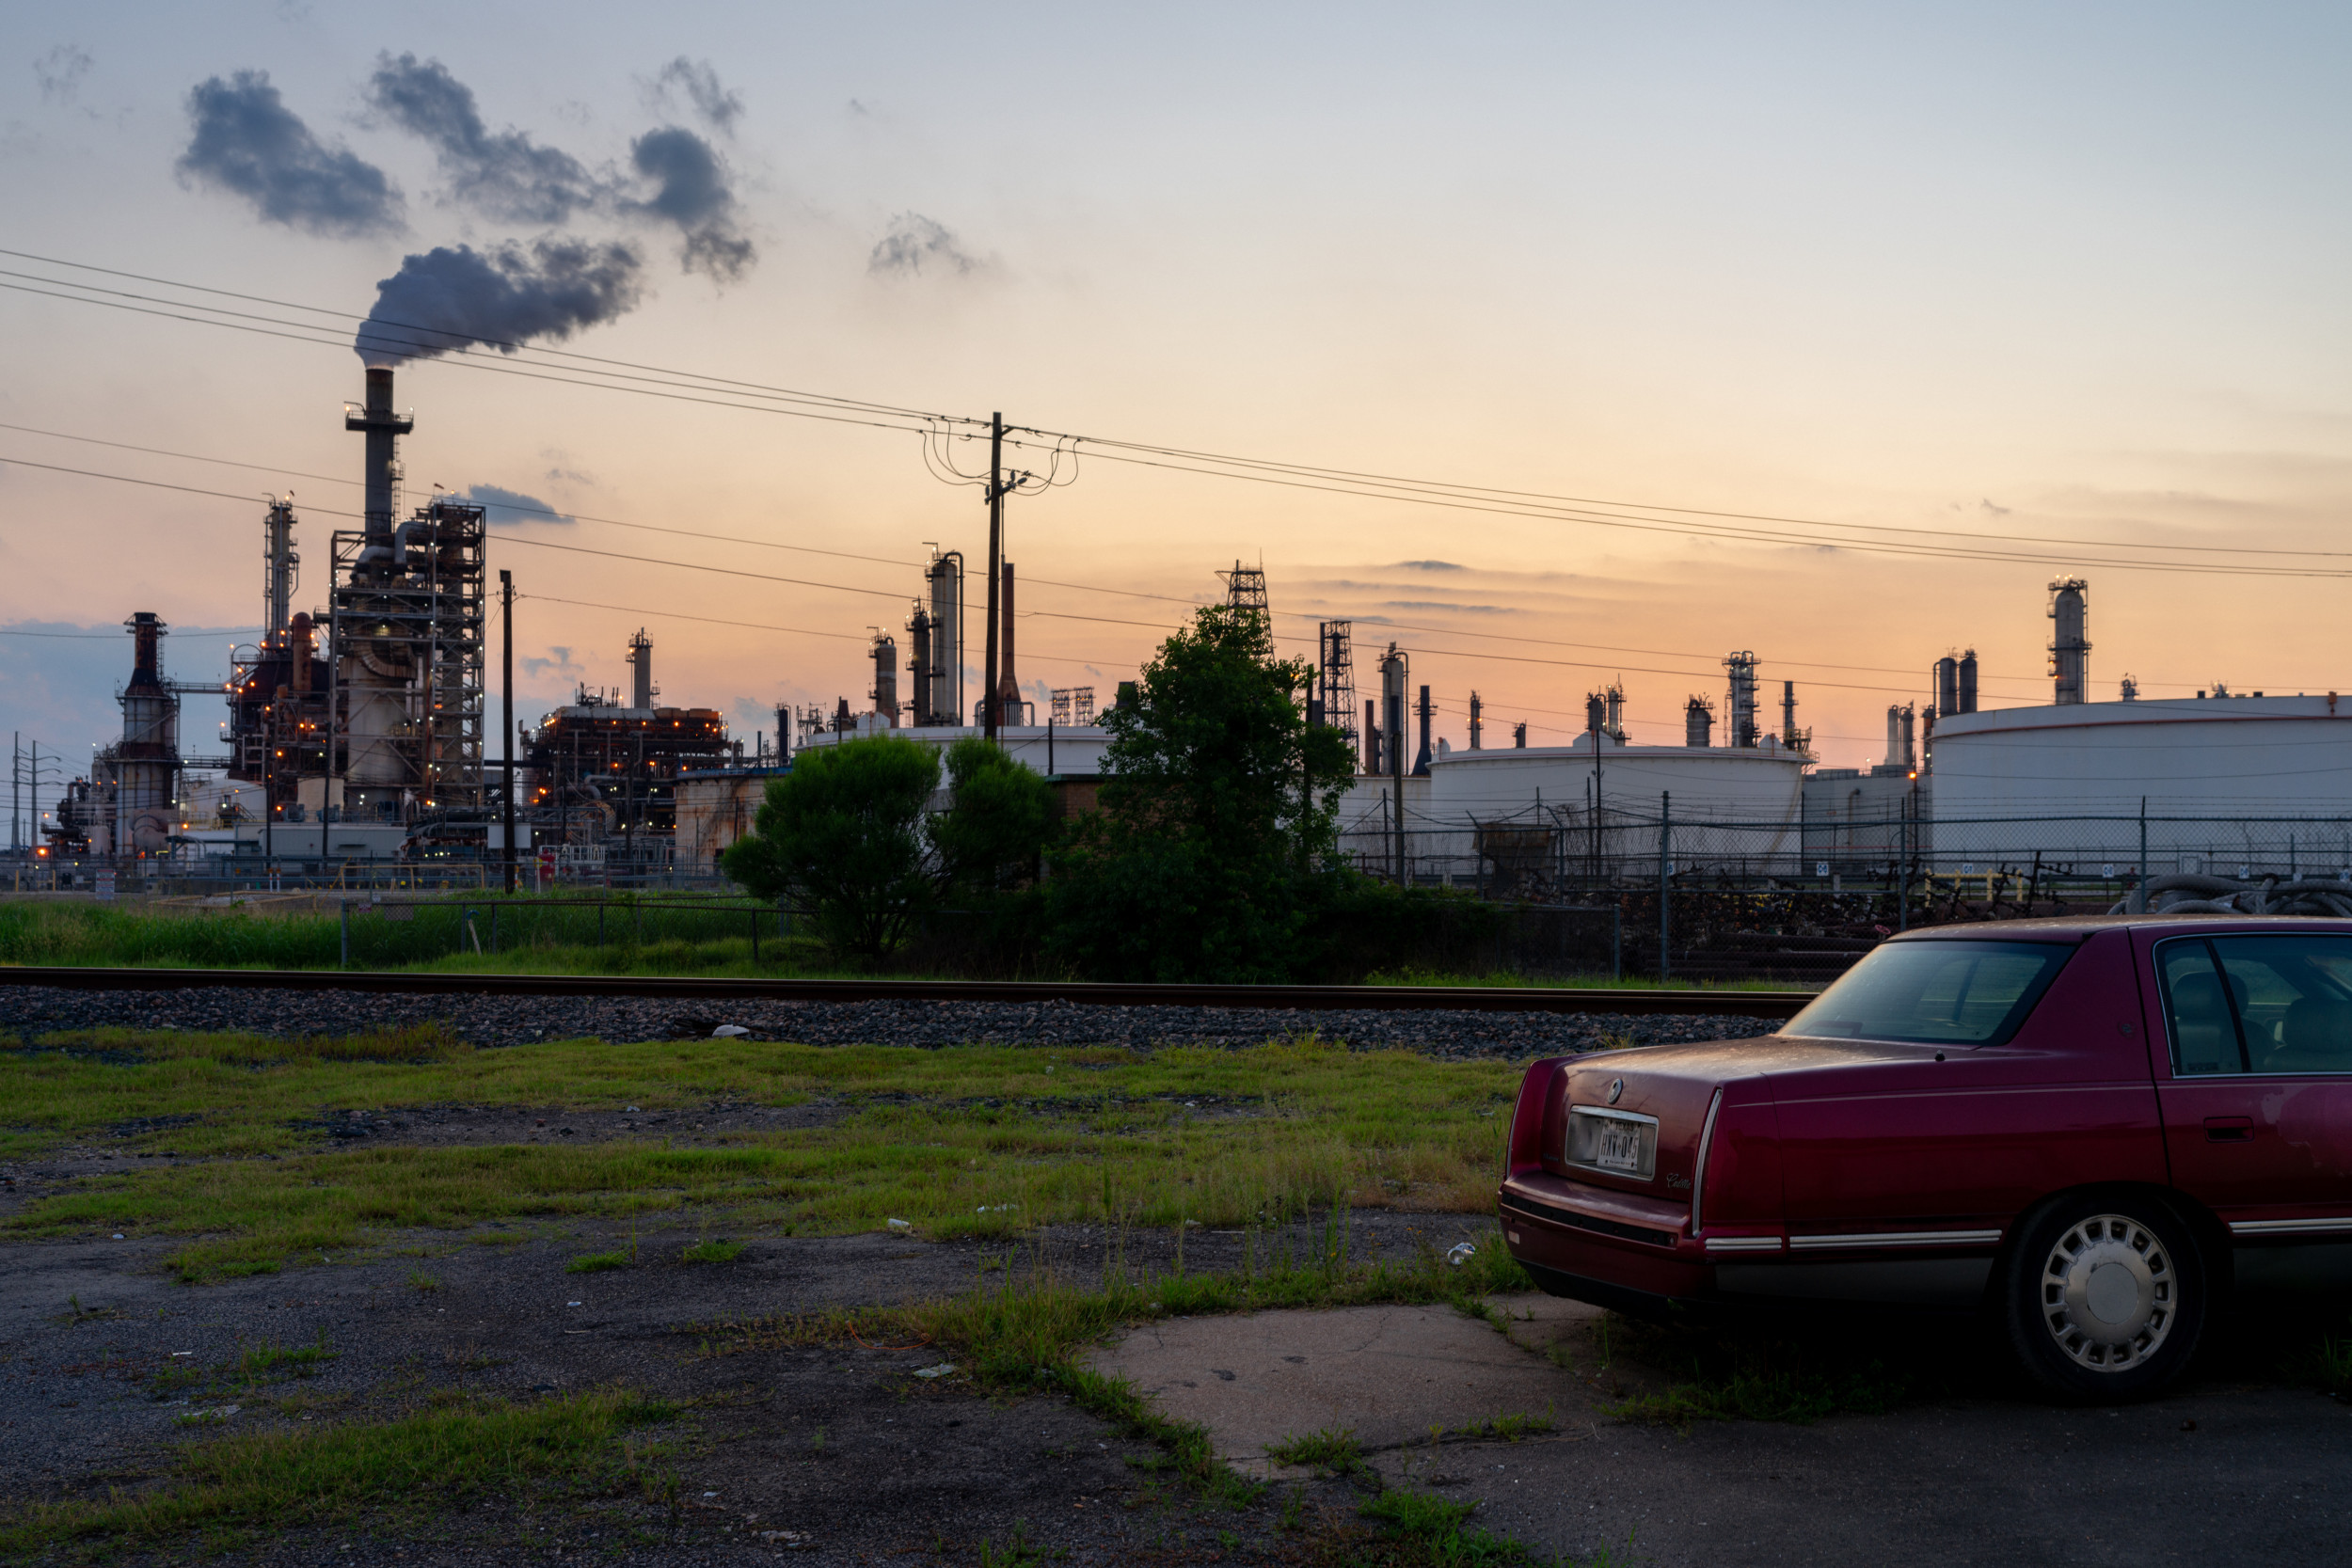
(1599,1248)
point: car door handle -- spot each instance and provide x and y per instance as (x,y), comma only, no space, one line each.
(2229,1130)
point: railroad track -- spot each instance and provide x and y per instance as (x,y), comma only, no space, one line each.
(1486,999)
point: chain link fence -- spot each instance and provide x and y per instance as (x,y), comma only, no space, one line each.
(1799,900)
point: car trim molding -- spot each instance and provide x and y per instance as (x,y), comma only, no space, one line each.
(1536,1210)
(1743,1244)
(1698,1172)
(2288,1227)
(1894,1238)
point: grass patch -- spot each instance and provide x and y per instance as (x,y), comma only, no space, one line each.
(229,1486)
(1417,1530)
(712,1252)
(596,1262)
(1332,1449)
(968,1141)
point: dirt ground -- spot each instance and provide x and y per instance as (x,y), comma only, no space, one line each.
(836,1454)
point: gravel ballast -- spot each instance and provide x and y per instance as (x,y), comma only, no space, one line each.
(33,1010)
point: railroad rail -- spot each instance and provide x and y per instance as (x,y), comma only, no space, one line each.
(1486,999)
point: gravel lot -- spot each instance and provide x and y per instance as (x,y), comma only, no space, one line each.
(31,1010)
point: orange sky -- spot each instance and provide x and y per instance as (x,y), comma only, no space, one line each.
(1973,270)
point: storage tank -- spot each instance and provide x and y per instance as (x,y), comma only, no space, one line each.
(2213,759)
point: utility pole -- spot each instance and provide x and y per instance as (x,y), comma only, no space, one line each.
(506,615)
(995,566)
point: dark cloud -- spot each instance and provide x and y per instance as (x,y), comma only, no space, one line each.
(560,665)
(697,84)
(915,243)
(501,505)
(506,175)
(1439,604)
(59,73)
(1431,566)
(692,192)
(450,298)
(247,142)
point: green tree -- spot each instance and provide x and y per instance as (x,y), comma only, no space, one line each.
(1216,842)
(992,837)
(843,832)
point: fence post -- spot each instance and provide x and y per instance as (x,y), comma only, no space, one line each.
(2139,891)
(1666,871)
(1902,870)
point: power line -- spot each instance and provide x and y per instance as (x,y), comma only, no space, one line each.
(1965,545)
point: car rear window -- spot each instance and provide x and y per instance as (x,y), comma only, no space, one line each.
(2258,1003)
(1937,992)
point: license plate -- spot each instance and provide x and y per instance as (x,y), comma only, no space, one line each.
(1620,1147)
(1622,1143)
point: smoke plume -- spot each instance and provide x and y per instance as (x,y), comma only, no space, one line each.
(450,298)
(692,193)
(694,81)
(501,505)
(247,142)
(915,243)
(506,175)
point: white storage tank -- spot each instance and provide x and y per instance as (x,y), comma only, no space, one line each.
(2070,781)
(1733,807)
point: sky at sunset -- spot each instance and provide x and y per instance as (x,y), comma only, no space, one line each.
(2063,285)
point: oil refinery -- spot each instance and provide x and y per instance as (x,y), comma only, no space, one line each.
(359,744)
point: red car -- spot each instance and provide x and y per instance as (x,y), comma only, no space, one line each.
(2094,1128)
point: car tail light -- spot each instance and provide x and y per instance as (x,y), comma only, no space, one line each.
(1538,1090)
(1698,1171)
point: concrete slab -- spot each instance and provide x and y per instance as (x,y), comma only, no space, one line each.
(1388,1373)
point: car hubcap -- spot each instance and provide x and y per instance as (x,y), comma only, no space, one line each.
(2108,1293)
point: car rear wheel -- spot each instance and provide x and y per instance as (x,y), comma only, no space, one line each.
(2105,1297)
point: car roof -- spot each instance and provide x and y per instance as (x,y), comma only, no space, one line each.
(2077,927)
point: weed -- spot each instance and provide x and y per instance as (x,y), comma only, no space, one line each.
(421,1282)
(1018,1553)
(596,1262)
(1508,1428)
(1422,1531)
(1333,1449)
(712,1252)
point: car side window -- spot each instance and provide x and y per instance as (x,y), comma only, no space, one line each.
(2293,1000)
(2205,1025)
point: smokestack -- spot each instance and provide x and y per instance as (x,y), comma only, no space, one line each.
(1519,738)
(885,691)
(282,567)
(1907,753)
(641,670)
(1008,706)
(1948,685)
(1699,722)
(146,631)
(1967,683)
(1477,717)
(1893,734)
(1371,735)
(383,428)
(1429,709)
(1788,737)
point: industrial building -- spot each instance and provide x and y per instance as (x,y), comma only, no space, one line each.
(600,767)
